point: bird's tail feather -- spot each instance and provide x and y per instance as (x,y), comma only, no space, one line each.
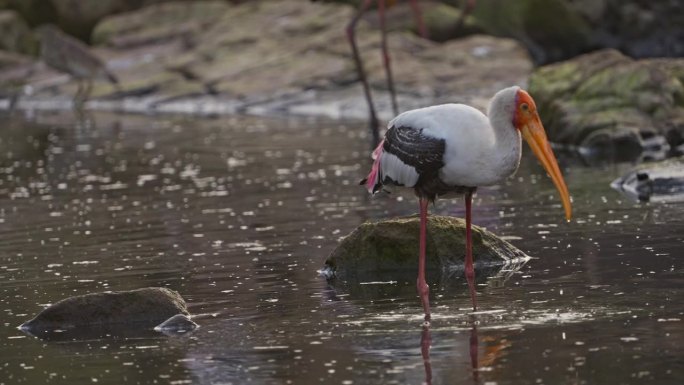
(373,182)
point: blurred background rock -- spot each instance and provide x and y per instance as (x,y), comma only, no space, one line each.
(292,57)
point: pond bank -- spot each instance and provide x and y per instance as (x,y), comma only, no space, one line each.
(273,58)
(292,58)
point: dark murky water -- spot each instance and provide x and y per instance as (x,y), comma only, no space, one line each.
(238,214)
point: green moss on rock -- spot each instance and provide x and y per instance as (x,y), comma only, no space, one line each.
(392,245)
(606,98)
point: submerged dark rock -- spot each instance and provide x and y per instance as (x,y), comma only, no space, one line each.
(655,181)
(605,101)
(137,309)
(391,246)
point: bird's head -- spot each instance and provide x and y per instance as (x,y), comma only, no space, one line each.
(527,121)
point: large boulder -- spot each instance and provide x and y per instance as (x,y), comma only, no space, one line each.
(390,247)
(605,100)
(137,309)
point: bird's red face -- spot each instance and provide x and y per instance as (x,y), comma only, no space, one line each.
(527,121)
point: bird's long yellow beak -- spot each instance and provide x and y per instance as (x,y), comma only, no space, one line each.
(534,134)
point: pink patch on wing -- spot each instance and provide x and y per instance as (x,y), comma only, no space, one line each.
(372,178)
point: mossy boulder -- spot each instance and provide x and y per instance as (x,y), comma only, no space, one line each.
(139,309)
(392,246)
(605,100)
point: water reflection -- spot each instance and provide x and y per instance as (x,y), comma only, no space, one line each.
(493,348)
(425,342)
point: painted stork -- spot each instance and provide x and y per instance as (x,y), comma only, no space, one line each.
(456,148)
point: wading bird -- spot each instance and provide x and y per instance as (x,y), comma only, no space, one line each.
(69,55)
(351,35)
(456,148)
(468,7)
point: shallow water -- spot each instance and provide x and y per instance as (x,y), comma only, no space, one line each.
(238,214)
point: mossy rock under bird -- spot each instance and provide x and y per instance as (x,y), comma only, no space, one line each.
(391,246)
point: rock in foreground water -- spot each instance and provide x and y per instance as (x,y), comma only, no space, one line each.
(392,245)
(142,309)
(654,182)
(605,101)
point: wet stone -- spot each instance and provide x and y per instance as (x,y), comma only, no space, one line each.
(139,309)
(654,181)
(391,246)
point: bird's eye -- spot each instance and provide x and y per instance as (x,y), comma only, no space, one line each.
(525,107)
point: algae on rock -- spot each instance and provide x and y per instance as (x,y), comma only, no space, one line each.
(392,245)
(607,100)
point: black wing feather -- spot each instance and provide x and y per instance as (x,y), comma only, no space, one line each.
(423,152)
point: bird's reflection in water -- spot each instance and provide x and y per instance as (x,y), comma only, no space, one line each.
(425,342)
(473,345)
(493,349)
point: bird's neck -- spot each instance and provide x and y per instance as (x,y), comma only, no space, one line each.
(508,143)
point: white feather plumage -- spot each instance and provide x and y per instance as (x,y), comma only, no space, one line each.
(480,150)
(397,170)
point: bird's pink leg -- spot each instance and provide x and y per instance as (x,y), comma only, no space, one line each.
(422,286)
(469,270)
(386,57)
(351,27)
(418,15)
